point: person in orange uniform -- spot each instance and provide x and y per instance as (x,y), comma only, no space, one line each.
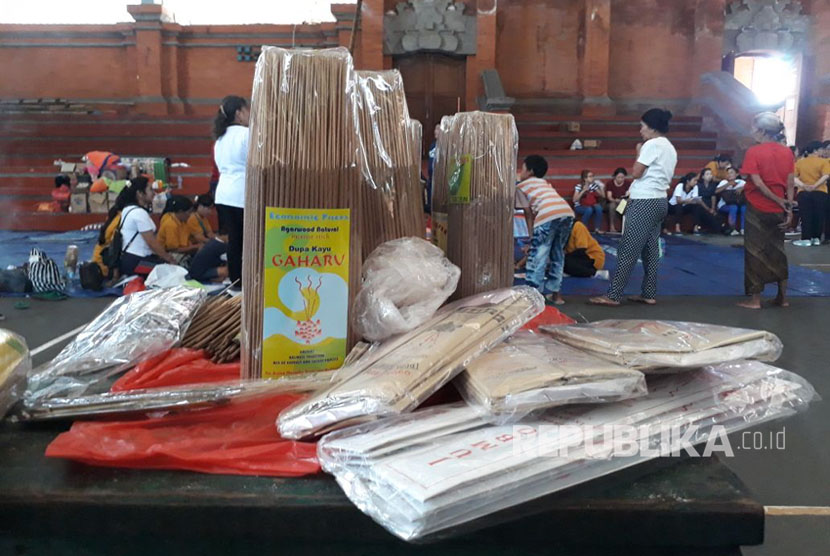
(173,233)
(719,166)
(583,254)
(200,229)
(812,171)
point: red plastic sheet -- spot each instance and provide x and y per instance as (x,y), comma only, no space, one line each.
(549,317)
(239,438)
(176,367)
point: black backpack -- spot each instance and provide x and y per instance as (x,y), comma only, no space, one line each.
(111,254)
(91,276)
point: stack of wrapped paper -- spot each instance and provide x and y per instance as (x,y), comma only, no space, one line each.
(531,372)
(652,345)
(438,468)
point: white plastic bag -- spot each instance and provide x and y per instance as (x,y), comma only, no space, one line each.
(166,276)
(404,282)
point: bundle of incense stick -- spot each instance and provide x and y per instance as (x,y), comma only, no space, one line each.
(303,153)
(479,166)
(391,197)
(215,328)
(440,168)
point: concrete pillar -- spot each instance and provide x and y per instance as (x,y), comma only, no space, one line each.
(595,58)
(148,57)
(485,57)
(369,45)
(707,50)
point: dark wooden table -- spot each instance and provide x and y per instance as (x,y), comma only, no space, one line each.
(686,507)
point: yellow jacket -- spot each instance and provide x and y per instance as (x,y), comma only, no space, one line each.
(173,233)
(581,238)
(98,249)
(199,228)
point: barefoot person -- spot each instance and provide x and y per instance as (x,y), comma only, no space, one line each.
(647,208)
(769,195)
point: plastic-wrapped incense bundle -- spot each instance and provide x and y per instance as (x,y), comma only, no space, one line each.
(480,165)
(410,368)
(391,198)
(302,218)
(440,188)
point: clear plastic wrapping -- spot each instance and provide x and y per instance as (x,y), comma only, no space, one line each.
(474,183)
(132,328)
(404,282)
(530,372)
(304,154)
(177,398)
(15,364)
(391,198)
(663,346)
(405,371)
(438,468)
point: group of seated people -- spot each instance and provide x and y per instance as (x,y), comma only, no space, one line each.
(591,197)
(184,235)
(717,189)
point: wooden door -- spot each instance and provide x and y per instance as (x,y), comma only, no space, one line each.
(435,87)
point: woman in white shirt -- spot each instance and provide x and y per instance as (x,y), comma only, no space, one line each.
(682,201)
(230,129)
(731,201)
(140,250)
(646,210)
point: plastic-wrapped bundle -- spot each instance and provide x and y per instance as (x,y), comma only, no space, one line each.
(440,185)
(404,283)
(416,136)
(530,372)
(663,346)
(15,364)
(410,368)
(175,398)
(438,468)
(304,153)
(477,160)
(391,199)
(132,328)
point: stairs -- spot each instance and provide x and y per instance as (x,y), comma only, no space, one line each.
(31,142)
(545,134)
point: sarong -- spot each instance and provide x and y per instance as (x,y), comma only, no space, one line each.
(765,260)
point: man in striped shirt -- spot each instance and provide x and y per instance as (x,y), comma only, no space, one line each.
(552,219)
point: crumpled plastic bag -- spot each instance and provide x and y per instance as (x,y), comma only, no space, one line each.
(15,364)
(404,282)
(166,276)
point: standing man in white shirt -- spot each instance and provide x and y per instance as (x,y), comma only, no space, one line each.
(648,207)
(230,129)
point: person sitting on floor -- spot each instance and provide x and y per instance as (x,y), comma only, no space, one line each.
(587,196)
(207,264)
(61,193)
(686,200)
(707,190)
(552,220)
(173,234)
(719,165)
(583,254)
(200,229)
(811,174)
(106,234)
(731,200)
(141,251)
(615,191)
